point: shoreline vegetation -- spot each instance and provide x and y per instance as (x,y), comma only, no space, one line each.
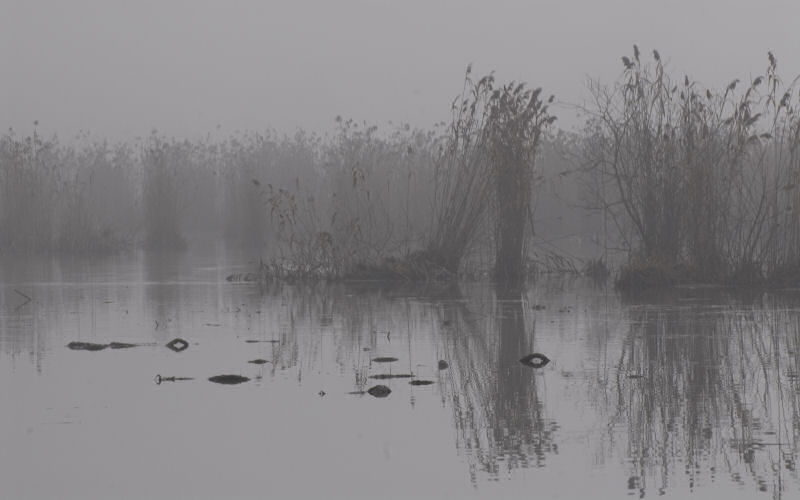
(667,183)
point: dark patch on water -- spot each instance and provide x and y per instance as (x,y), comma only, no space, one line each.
(535,360)
(228,379)
(91,346)
(384,359)
(379,391)
(385,376)
(122,345)
(242,278)
(421,382)
(86,346)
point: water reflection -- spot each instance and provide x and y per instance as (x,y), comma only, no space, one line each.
(709,390)
(521,434)
(695,391)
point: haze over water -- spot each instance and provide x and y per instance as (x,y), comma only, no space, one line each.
(153,376)
(120,70)
(690,394)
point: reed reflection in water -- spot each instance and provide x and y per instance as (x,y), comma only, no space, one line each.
(693,392)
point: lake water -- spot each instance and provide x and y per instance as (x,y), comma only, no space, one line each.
(693,393)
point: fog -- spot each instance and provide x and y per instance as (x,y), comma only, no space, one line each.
(407,249)
(189,68)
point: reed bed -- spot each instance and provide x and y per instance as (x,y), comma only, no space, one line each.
(700,182)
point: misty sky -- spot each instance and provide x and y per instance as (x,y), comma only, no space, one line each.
(122,68)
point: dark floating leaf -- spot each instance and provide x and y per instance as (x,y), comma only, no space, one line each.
(379,391)
(421,382)
(385,376)
(178,345)
(443,365)
(384,359)
(160,379)
(122,345)
(258,361)
(228,379)
(86,346)
(535,360)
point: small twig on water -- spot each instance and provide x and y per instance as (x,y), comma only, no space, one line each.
(26,297)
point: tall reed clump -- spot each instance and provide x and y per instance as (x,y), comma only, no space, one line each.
(161,201)
(376,187)
(96,201)
(487,162)
(347,206)
(245,163)
(463,177)
(28,181)
(70,199)
(517,119)
(696,180)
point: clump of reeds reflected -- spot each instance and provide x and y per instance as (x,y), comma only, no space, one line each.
(711,390)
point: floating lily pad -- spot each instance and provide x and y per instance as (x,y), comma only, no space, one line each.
(228,379)
(535,360)
(385,376)
(86,346)
(384,359)
(443,365)
(421,382)
(379,391)
(258,361)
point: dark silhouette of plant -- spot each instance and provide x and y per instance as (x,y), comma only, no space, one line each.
(698,182)
(463,179)
(517,119)
(488,160)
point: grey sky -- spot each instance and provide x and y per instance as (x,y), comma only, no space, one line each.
(120,68)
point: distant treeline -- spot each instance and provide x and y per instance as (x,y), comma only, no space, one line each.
(673,181)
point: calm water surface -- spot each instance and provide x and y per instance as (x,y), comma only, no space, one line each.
(692,394)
